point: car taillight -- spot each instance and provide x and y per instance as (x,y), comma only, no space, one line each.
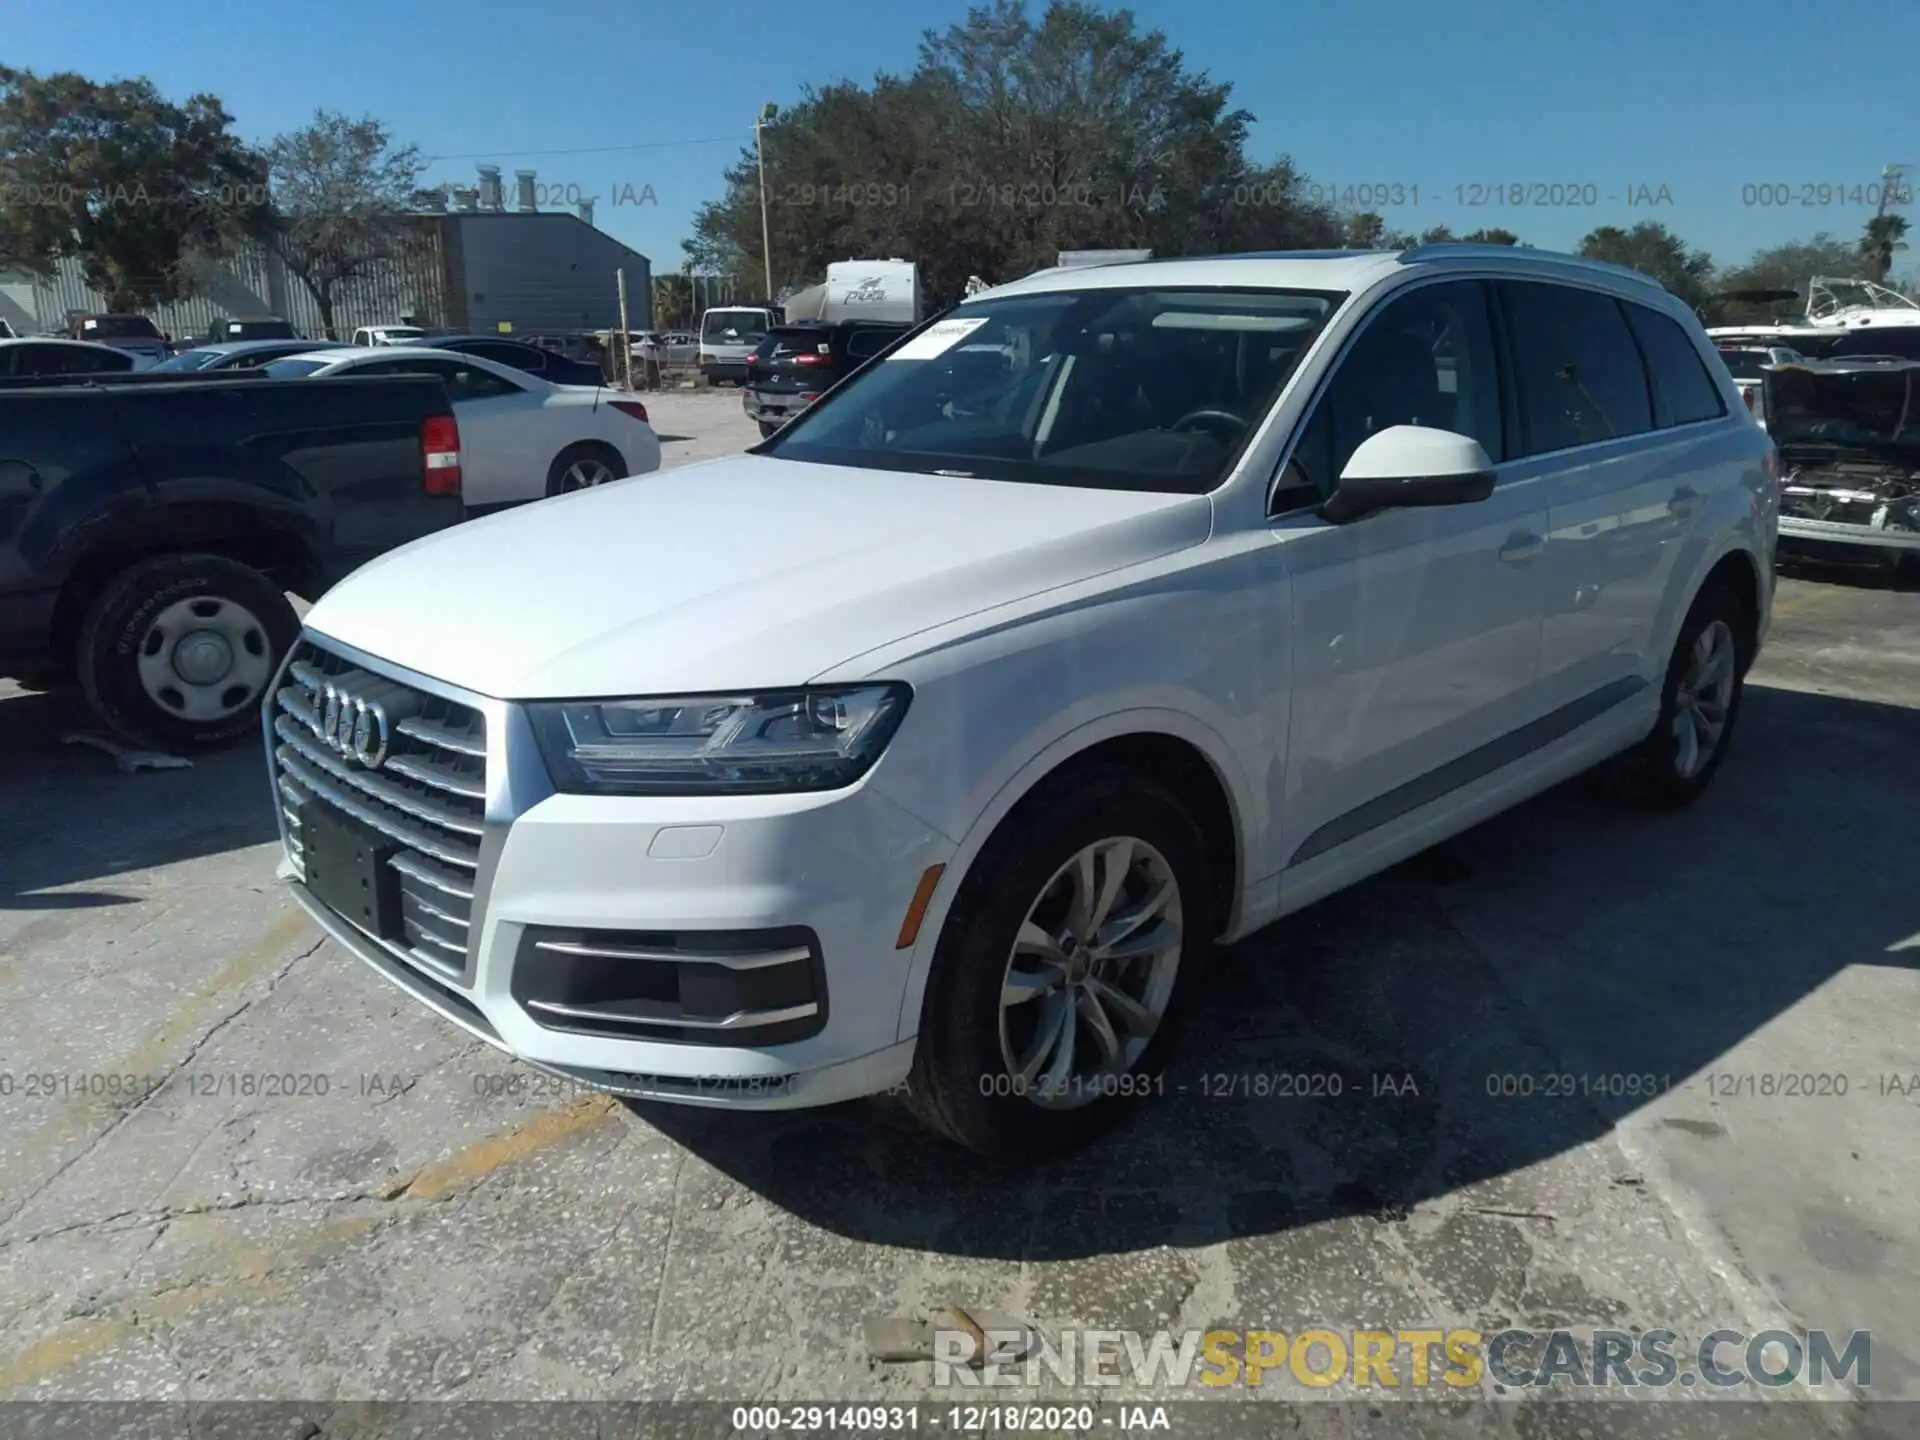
(440,455)
(630,407)
(1749,395)
(807,397)
(811,359)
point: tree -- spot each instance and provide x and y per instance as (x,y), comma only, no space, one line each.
(1655,250)
(1884,235)
(132,184)
(1014,138)
(1782,268)
(341,190)
(1492,235)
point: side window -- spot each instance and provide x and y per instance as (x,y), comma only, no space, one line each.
(866,344)
(464,382)
(1683,391)
(470,382)
(1576,364)
(1425,358)
(514,355)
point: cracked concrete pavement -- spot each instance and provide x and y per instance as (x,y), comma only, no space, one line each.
(236,1165)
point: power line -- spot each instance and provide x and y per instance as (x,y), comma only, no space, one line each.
(585,150)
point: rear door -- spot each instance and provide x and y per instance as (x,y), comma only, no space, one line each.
(1619,489)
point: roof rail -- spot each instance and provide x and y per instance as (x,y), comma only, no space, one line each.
(1526,254)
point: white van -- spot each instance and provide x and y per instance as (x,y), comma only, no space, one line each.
(728,335)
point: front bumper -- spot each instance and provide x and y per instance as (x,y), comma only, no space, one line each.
(1835,532)
(839,870)
(771,408)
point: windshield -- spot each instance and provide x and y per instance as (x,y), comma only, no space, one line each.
(190,360)
(1107,388)
(118,327)
(734,327)
(293,369)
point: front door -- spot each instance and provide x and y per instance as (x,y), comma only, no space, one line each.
(1414,634)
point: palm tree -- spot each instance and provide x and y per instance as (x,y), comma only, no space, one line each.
(1882,238)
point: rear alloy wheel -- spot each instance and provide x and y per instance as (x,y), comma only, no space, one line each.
(1063,966)
(1699,703)
(178,651)
(583,467)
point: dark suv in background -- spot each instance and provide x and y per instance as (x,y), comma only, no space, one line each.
(549,365)
(797,364)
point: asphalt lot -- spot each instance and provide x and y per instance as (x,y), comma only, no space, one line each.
(424,1218)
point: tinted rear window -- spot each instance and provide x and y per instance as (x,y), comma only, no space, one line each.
(1684,390)
(1580,377)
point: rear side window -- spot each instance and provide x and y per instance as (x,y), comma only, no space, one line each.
(1577,367)
(1683,390)
(865,344)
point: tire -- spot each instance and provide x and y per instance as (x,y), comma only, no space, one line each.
(768,431)
(144,638)
(963,1084)
(1661,772)
(563,475)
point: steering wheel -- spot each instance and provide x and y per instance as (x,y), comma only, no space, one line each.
(1205,419)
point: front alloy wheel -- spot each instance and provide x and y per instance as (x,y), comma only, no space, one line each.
(1051,1004)
(1091,973)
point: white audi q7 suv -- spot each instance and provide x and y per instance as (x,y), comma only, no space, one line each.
(929,746)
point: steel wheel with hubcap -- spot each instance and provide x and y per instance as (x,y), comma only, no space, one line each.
(177,650)
(1091,973)
(205,658)
(1063,964)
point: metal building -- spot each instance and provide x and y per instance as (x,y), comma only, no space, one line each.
(477,265)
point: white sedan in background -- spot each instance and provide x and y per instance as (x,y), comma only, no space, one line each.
(521,437)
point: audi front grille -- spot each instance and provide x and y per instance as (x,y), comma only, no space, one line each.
(407,768)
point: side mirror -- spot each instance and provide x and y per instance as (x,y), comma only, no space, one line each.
(1405,466)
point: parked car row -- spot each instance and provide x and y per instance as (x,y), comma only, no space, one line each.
(118,570)
(930,745)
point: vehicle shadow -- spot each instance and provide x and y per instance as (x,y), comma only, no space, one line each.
(1569,936)
(69,815)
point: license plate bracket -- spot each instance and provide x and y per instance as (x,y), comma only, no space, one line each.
(347,870)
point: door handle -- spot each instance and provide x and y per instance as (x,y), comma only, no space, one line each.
(1521,547)
(1684,500)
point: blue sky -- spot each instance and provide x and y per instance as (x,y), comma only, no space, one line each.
(1699,98)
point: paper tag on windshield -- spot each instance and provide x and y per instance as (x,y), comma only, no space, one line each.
(937,339)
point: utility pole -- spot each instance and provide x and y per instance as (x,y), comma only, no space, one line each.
(626,340)
(760,158)
(1889,184)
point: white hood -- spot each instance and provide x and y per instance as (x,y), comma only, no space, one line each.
(744,572)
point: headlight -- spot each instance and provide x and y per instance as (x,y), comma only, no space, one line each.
(718,744)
